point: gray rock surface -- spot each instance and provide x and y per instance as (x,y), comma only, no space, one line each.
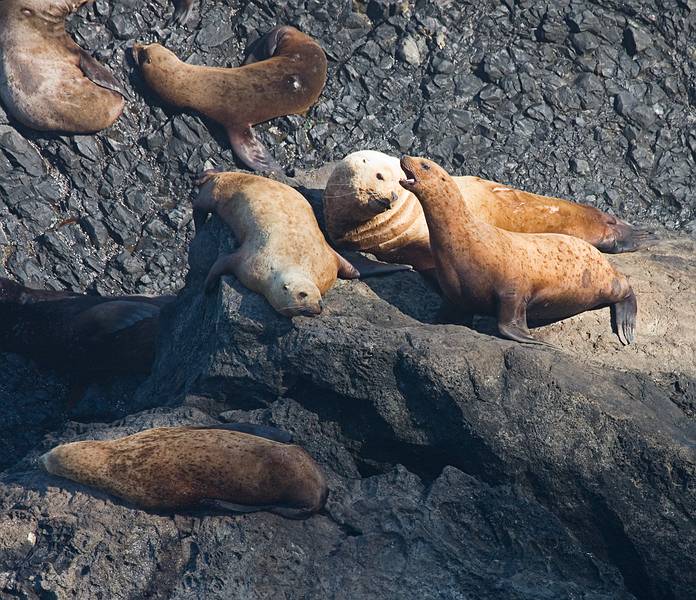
(461,466)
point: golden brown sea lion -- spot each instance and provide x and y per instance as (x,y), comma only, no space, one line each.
(366,209)
(77,333)
(47,82)
(284,75)
(175,468)
(282,253)
(483,269)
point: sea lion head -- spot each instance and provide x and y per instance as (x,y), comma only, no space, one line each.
(79,461)
(293,294)
(44,15)
(423,176)
(153,56)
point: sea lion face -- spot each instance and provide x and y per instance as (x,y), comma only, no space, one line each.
(422,174)
(294,295)
(152,55)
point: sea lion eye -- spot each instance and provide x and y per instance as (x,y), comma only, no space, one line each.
(425,167)
(27,12)
(380,176)
(302,295)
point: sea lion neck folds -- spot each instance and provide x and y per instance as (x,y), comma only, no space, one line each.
(486,270)
(284,74)
(47,82)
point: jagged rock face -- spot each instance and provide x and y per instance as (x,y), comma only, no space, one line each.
(571,99)
(460,465)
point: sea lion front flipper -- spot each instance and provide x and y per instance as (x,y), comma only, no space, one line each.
(99,74)
(111,317)
(623,319)
(182,11)
(237,508)
(353,265)
(224,265)
(251,151)
(263,431)
(265,46)
(512,319)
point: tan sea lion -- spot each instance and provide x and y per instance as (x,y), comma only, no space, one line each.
(284,75)
(366,209)
(282,253)
(47,82)
(483,269)
(177,468)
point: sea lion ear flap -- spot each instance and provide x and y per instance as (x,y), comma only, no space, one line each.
(264,431)
(251,151)
(99,74)
(265,46)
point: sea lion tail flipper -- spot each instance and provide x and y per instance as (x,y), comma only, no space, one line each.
(265,46)
(224,265)
(354,265)
(182,11)
(265,431)
(623,317)
(512,319)
(251,151)
(100,75)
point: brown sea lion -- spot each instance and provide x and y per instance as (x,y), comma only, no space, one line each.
(483,269)
(284,75)
(76,333)
(178,468)
(282,253)
(366,209)
(47,82)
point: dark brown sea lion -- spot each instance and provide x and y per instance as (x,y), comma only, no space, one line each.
(178,468)
(47,82)
(284,75)
(366,209)
(87,335)
(483,269)
(282,253)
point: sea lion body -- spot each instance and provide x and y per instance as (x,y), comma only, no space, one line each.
(282,253)
(177,468)
(483,269)
(47,82)
(80,333)
(366,209)
(284,75)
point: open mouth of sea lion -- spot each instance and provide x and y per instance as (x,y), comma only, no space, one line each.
(410,177)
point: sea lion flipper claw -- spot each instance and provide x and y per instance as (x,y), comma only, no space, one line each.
(251,151)
(264,431)
(100,75)
(623,317)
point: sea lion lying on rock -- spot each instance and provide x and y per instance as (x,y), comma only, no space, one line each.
(366,209)
(483,269)
(175,468)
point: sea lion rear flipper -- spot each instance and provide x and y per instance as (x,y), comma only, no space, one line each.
(626,238)
(623,319)
(512,319)
(263,431)
(251,151)
(224,265)
(99,74)
(265,46)
(111,317)
(182,11)
(353,265)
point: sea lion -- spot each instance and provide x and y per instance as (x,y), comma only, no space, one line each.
(366,209)
(282,253)
(483,269)
(284,75)
(178,468)
(47,82)
(85,335)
